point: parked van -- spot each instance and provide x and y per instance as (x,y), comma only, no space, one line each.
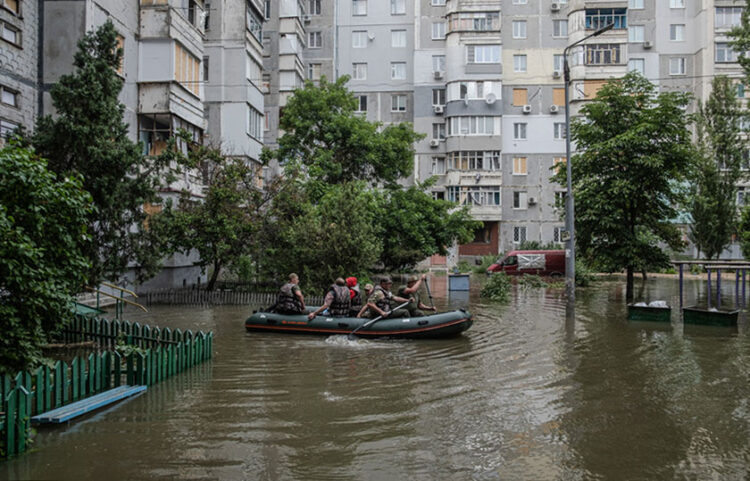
(541,263)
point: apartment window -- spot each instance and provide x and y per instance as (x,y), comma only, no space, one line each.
(438,30)
(558,62)
(313,71)
(8,96)
(725,53)
(398,103)
(519,202)
(254,24)
(438,63)
(186,69)
(11,34)
(637,65)
(438,166)
(398,7)
(254,123)
(438,96)
(519,63)
(475,21)
(313,7)
(559,28)
(519,28)
(359,7)
(519,2)
(741,90)
(266,10)
(359,39)
(519,166)
(557,164)
(471,125)
(677,66)
(636,4)
(359,71)
(438,131)
(597,18)
(398,70)
(728,17)
(635,33)
(361,103)
(463,90)
(483,53)
(603,54)
(558,97)
(121,47)
(474,160)
(559,130)
(676,3)
(557,234)
(11,5)
(677,32)
(7,128)
(438,3)
(519,234)
(519,131)
(205,69)
(520,97)
(314,39)
(398,38)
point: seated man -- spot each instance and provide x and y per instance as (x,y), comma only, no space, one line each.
(290,299)
(337,301)
(411,289)
(379,302)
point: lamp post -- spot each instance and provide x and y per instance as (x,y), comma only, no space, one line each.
(570,246)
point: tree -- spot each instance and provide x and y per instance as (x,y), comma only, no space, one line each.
(741,39)
(42,232)
(88,137)
(721,150)
(633,150)
(744,232)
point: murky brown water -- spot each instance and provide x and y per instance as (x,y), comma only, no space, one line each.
(523,395)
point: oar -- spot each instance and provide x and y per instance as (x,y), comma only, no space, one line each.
(373,321)
(432,304)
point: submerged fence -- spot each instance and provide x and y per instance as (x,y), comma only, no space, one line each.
(148,355)
(200,297)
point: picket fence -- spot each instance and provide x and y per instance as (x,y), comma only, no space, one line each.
(200,297)
(149,356)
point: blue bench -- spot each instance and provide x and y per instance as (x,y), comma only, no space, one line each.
(78,408)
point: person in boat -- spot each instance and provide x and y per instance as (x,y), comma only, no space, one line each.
(355,295)
(416,308)
(337,301)
(290,300)
(379,302)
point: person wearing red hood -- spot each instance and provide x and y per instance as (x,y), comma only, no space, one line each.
(355,295)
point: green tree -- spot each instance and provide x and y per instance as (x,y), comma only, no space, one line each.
(744,232)
(42,233)
(633,148)
(87,136)
(741,39)
(713,186)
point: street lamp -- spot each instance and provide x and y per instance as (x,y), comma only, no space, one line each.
(570,246)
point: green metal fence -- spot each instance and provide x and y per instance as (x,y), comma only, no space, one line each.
(160,353)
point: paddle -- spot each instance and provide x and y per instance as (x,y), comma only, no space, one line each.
(373,321)
(427,286)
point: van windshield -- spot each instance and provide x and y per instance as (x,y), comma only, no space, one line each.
(510,261)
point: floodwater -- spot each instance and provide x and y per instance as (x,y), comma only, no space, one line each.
(523,395)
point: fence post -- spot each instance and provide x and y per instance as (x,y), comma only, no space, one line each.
(117,365)
(10,405)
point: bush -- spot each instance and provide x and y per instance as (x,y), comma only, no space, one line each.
(486,262)
(584,274)
(464,266)
(497,288)
(530,281)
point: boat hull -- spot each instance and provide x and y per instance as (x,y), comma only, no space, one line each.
(445,324)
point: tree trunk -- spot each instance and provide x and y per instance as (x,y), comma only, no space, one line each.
(629,285)
(214,276)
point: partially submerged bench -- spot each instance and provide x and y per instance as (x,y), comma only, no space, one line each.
(86,405)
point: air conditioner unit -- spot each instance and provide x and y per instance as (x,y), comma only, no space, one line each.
(438,109)
(526,109)
(553,109)
(434,143)
(532,200)
(556,74)
(490,98)
(648,44)
(306,18)
(554,6)
(438,74)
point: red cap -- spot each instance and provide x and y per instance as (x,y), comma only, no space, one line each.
(351,281)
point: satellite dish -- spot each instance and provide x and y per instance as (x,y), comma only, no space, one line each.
(490,98)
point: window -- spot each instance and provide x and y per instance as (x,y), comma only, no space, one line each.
(121,46)
(11,34)
(186,69)
(519,200)
(463,90)
(254,24)
(267,9)
(359,71)
(7,128)
(557,232)
(359,7)
(253,70)
(438,63)
(741,196)
(728,17)
(438,30)
(8,96)
(558,62)
(314,39)
(438,96)
(398,103)
(438,3)
(741,90)
(559,131)
(438,166)
(483,53)
(398,38)
(637,65)
(557,164)
(597,18)
(313,7)
(558,97)
(676,3)
(519,234)
(398,7)
(11,5)
(475,21)
(725,53)
(559,28)
(519,166)
(254,123)
(603,54)
(359,39)
(475,160)
(519,131)
(313,71)
(398,70)
(361,103)
(677,66)
(635,33)
(635,4)
(519,28)
(438,131)
(677,32)
(471,125)
(519,2)
(519,63)
(205,69)
(520,97)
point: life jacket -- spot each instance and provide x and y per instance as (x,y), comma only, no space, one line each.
(357,298)
(287,301)
(383,304)
(340,305)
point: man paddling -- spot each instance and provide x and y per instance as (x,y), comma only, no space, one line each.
(411,289)
(379,302)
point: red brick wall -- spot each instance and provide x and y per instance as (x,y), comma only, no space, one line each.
(482,248)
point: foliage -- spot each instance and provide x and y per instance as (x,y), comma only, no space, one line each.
(88,136)
(633,150)
(538,246)
(42,233)
(712,200)
(463,266)
(584,274)
(243,268)
(323,134)
(484,264)
(497,288)
(530,281)
(741,40)
(744,231)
